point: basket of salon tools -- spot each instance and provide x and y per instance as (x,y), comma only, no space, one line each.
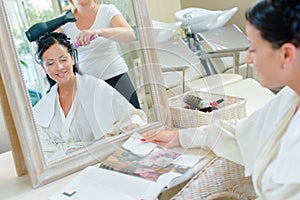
(197,108)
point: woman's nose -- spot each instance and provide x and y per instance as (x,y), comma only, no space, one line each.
(60,66)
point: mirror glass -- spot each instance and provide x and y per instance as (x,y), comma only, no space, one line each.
(23,14)
(146,78)
(29,12)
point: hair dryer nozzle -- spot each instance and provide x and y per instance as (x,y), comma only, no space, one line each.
(38,29)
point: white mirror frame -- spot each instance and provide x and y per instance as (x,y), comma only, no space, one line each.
(20,110)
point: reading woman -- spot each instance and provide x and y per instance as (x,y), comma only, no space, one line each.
(78,109)
(267,143)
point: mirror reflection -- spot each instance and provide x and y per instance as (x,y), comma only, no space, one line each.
(66,118)
(68,115)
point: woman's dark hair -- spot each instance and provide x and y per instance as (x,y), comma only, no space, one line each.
(277,20)
(49,39)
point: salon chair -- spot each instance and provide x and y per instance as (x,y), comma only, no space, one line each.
(226,47)
(183,70)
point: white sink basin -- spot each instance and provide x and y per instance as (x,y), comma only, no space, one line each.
(164,31)
(200,19)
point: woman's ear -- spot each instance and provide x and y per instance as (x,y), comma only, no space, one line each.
(289,53)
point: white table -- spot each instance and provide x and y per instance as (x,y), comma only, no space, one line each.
(256,96)
(13,187)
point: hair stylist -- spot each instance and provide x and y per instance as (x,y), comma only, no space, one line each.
(100,57)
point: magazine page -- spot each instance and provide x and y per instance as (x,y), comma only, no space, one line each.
(174,179)
(152,162)
(137,147)
(158,162)
(94,183)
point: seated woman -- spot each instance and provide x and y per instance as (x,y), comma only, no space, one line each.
(267,143)
(78,109)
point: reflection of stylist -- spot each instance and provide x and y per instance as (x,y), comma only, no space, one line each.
(65,117)
(100,57)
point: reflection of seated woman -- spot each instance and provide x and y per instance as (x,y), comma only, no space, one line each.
(78,108)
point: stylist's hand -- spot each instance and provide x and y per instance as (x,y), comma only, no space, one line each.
(164,138)
(84,37)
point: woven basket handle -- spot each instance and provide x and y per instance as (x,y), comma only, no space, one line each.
(223,196)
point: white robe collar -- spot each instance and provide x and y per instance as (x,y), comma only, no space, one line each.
(261,125)
(45,108)
(287,163)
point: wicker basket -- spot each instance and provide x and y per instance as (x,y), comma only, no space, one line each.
(230,108)
(220,179)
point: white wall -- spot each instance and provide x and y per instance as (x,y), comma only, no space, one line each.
(163,10)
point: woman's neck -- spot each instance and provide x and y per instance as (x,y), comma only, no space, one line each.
(86,16)
(67,88)
(66,95)
(86,9)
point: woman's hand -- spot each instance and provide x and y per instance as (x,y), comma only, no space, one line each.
(164,138)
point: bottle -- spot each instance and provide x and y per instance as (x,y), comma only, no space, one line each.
(190,38)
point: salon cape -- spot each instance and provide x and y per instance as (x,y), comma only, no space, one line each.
(104,107)
(267,143)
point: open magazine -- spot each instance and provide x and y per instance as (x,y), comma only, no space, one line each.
(134,171)
(159,165)
(94,183)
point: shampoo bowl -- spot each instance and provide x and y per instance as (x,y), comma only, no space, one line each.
(164,31)
(200,19)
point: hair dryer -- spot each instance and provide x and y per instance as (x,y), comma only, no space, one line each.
(38,29)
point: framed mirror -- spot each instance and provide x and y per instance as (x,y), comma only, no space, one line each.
(149,87)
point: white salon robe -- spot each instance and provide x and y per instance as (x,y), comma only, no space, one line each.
(267,143)
(97,109)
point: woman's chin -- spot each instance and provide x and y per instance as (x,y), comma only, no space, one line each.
(263,83)
(270,85)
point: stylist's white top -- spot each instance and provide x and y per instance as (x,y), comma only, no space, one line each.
(101,58)
(267,143)
(97,109)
